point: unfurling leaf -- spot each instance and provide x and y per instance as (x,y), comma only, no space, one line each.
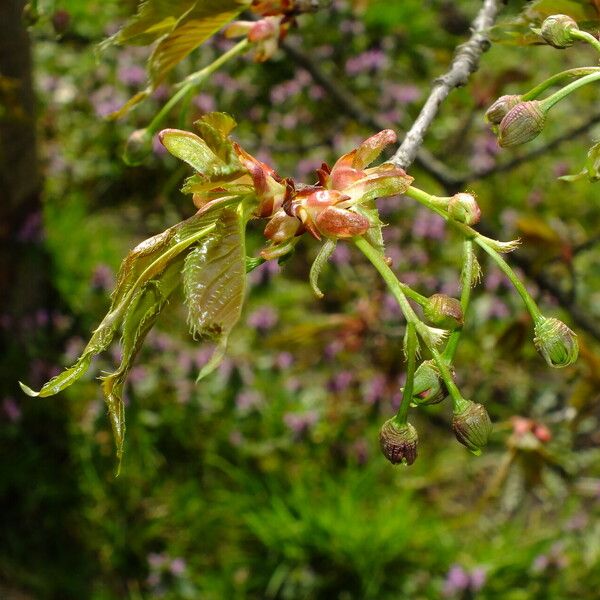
(322,257)
(591,169)
(178,27)
(214,283)
(138,321)
(145,280)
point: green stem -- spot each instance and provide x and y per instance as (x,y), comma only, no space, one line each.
(397,288)
(584,36)
(550,101)
(465,295)
(483,242)
(458,402)
(410,349)
(528,300)
(193,80)
(556,79)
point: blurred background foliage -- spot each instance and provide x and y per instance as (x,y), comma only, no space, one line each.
(265,481)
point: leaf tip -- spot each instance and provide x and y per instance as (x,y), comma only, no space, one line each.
(28,390)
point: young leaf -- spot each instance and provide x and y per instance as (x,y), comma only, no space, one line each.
(192,29)
(144,263)
(322,257)
(214,282)
(138,321)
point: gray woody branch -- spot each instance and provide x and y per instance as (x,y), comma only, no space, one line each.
(465,62)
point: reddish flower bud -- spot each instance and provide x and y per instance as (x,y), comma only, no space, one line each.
(555,342)
(521,124)
(499,109)
(472,427)
(341,223)
(398,442)
(557,31)
(281,227)
(464,208)
(444,311)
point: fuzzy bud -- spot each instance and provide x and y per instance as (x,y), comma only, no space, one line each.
(398,442)
(557,31)
(464,208)
(472,427)
(428,386)
(555,342)
(444,311)
(521,124)
(499,109)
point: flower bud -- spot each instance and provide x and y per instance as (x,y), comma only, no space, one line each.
(472,427)
(281,227)
(137,148)
(341,223)
(464,208)
(555,342)
(521,124)
(498,110)
(398,442)
(556,31)
(444,311)
(428,386)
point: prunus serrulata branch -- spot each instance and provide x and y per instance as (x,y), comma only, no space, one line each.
(465,62)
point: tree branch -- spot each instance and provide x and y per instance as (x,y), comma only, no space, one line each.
(465,62)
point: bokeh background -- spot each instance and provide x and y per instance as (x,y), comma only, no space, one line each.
(266,481)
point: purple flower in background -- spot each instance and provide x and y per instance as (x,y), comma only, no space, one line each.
(156,560)
(177,566)
(301,423)
(11,409)
(31,229)
(341,381)
(248,400)
(428,225)
(205,103)
(263,319)
(284,360)
(341,255)
(103,278)
(106,100)
(371,60)
(131,75)
(375,389)
(458,580)
(264,273)
(157,146)
(404,94)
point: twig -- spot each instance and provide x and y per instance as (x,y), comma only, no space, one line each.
(465,62)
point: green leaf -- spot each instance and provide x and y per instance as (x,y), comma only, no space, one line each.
(591,168)
(143,264)
(211,155)
(214,282)
(192,28)
(139,319)
(320,261)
